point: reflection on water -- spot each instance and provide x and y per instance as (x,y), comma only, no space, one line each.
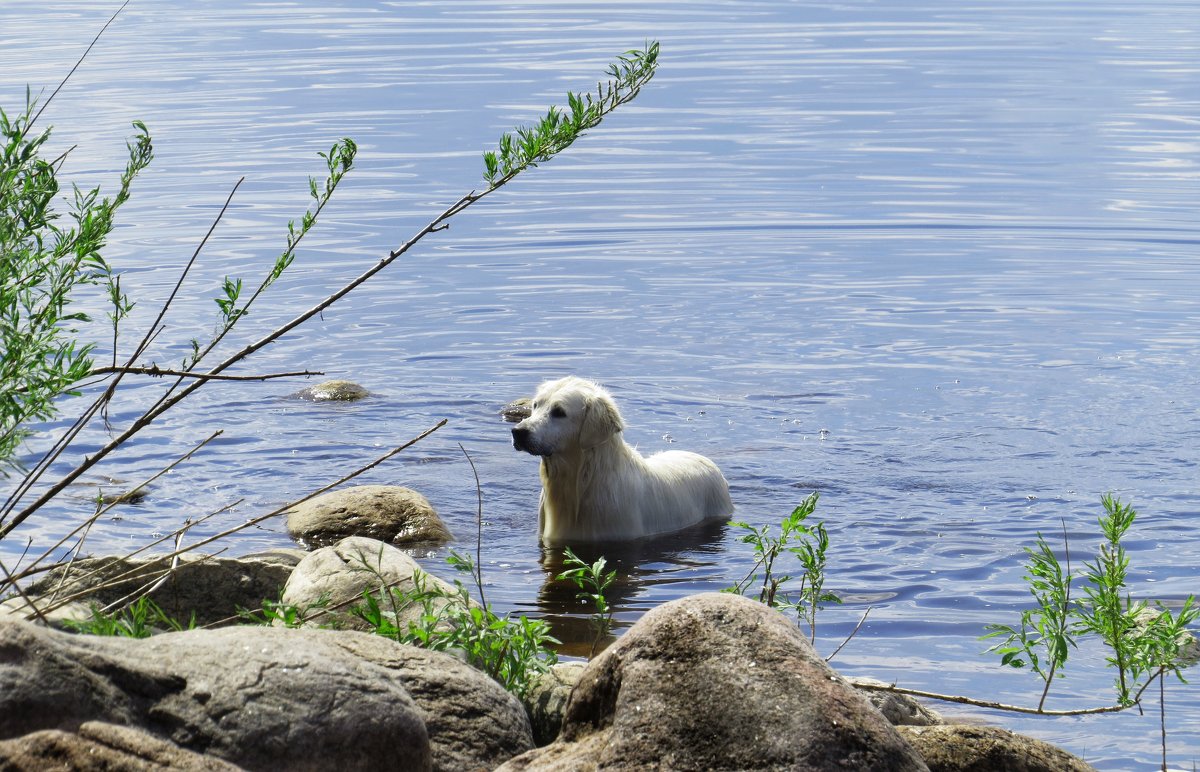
(675,565)
(936,262)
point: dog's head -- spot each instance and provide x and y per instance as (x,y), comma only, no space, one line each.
(568,414)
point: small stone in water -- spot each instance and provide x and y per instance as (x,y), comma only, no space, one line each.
(337,390)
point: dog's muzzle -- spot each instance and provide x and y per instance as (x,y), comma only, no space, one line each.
(523,440)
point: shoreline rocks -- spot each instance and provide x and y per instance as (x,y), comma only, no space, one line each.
(212,588)
(706,682)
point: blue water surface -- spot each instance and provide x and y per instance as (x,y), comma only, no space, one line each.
(937,262)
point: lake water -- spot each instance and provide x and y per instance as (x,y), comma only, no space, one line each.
(937,262)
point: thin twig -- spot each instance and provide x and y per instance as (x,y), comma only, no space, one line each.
(853,633)
(170,570)
(87,51)
(478,528)
(88,523)
(8,579)
(155,583)
(261,518)
(159,372)
(987,703)
(129,573)
(90,461)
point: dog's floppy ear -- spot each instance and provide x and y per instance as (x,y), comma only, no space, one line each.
(600,422)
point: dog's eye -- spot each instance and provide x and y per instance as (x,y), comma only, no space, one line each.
(558,412)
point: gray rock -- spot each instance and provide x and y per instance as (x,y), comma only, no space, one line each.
(717,681)
(964,748)
(898,709)
(100,746)
(473,722)
(260,698)
(338,575)
(213,588)
(263,698)
(389,513)
(1189,645)
(546,699)
(336,390)
(17,608)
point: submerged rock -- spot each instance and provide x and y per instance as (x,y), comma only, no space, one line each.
(517,410)
(390,513)
(336,390)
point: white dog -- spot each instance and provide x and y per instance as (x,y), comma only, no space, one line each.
(597,488)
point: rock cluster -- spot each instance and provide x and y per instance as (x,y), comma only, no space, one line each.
(713,681)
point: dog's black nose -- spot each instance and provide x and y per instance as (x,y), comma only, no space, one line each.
(521,439)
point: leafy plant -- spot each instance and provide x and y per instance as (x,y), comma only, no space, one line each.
(512,651)
(45,263)
(592,582)
(1144,643)
(808,544)
(141,619)
(279,614)
(1046,629)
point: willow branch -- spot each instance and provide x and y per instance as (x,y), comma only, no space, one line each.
(61,445)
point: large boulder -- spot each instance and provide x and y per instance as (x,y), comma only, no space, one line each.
(334,578)
(966,748)
(717,681)
(212,588)
(264,698)
(390,513)
(473,723)
(260,698)
(99,746)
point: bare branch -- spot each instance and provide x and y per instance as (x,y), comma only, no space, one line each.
(100,513)
(989,704)
(853,633)
(117,579)
(87,51)
(155,371)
